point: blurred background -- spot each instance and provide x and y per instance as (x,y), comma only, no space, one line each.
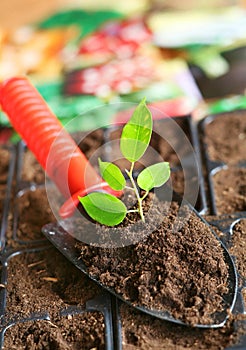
(185,57)
(14,13)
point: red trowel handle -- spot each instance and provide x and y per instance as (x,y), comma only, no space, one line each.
(44,135)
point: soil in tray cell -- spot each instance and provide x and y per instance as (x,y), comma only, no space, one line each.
(230,190)
(33,212)
(31,170)
(45,282)
(226,138)
(142,332)
(77,332)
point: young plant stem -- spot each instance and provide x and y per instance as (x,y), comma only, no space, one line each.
(145,195)
(139,199)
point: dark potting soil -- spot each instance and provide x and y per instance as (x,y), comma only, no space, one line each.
(179,270)
(31,170)
(226,137)
(144,332)
(77,332)
(239,246)
(45,282)
(33,212)
(48,282)
(230,190)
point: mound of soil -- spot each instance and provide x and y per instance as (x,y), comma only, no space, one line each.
(181,270)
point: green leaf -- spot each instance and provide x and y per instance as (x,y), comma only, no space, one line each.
(112,175)
(136,133)
(104,208)
(154,176)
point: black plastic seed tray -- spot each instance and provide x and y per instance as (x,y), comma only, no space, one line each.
(21,239)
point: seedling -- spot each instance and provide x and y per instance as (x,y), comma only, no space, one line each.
(135,138)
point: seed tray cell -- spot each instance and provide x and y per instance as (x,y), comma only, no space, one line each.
(75,331)
(223,144)
(53,290)
(80,329)
(31,209)
(142,332)
(31,171)
(229,185)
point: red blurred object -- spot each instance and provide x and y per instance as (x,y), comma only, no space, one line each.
(119,76)
(104,44)
(53,147)
(121,39)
